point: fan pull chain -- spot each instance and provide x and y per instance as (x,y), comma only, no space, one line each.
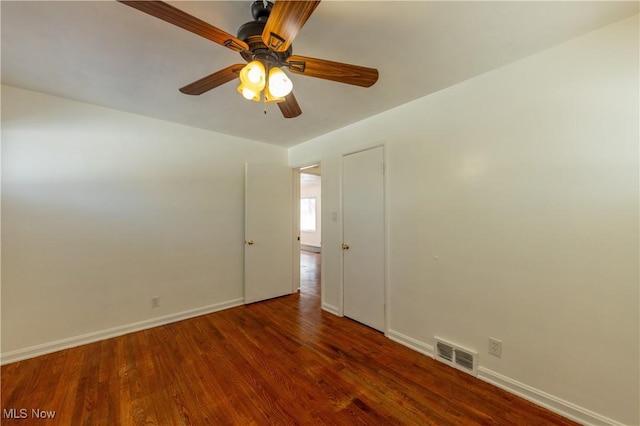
(265,88)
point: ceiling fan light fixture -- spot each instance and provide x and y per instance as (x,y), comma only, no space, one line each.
(253,81)
(263,42)
(280,85)
(248,93)
(269,98)
(252,76)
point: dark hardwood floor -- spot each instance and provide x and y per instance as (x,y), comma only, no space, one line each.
(282,361)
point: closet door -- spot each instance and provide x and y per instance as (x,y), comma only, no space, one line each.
(363,237)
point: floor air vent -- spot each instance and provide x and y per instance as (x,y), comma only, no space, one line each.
(455,356)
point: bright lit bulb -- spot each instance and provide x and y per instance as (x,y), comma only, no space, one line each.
(268,96)
(248,93)
(279,83)
(253,76)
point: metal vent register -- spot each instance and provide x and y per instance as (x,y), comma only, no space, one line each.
(456,356)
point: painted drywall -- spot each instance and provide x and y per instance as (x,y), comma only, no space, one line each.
(512,212)
(311,189)
(103,210)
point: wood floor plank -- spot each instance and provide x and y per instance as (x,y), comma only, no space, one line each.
(282,361)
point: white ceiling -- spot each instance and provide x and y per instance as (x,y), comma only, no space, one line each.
(108,54)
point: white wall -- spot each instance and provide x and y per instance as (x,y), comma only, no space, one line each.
(524,183)
(102,210)
(312,189)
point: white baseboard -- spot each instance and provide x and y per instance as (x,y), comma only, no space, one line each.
(410,342)
(543,399)
(70,342)
(536,396)
(331,309)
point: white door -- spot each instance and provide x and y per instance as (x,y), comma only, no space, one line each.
(363,237)
(269,240)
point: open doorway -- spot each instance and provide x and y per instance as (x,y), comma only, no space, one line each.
(310,230)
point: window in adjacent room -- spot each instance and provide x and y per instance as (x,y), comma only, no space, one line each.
(308,214)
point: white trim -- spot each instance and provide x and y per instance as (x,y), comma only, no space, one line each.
(331,309)
(387,238)
(306,164)
(295,258)
(323,223)
(543,399)
(365,147)
(411,343)
(70,342)
(550,402)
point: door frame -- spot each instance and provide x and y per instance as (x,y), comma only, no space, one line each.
(385,231)
(296,226)
(295,284)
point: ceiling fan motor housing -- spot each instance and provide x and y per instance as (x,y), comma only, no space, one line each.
(251,33)
(260,10)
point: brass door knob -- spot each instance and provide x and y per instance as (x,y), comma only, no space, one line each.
(345,246)
(250,242)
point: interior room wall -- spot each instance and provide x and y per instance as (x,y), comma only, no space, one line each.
(512,212)
(103,210)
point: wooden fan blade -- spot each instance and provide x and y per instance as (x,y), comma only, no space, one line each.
(168,13)
(335,71)
(212,80)
(285,21)
(290,107)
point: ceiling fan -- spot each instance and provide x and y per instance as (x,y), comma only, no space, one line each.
(265,43)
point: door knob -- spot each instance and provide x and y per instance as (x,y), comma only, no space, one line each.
(345,246)
(250,242)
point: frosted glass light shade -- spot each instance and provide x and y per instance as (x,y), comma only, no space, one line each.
(279,83)
(252,76)
(249,93)
(269,98)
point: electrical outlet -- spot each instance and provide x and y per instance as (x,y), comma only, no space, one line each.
(155,302)
(495,347)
